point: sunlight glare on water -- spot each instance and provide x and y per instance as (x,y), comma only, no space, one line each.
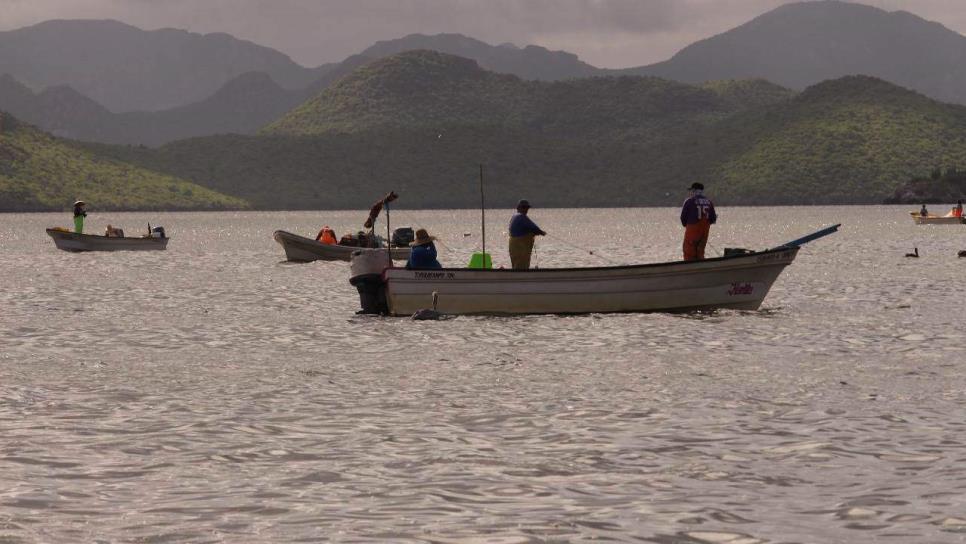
(213,392)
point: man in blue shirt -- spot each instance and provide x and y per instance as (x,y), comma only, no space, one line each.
(522,233)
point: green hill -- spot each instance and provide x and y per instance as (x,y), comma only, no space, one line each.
(430,90)
(420,122)
(849,140)
(39,172)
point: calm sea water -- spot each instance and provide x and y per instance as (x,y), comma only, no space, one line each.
(213,393)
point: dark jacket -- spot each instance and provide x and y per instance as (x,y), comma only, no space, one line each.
(79,212)
(521,225)
(423,256)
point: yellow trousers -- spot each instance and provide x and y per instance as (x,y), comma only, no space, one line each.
(521,247)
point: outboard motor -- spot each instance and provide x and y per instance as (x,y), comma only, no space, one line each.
(366,270)
(158,232)
(403,236)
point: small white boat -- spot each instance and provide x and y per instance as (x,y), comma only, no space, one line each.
(937,219)
(739,281)
(72,241)
(301,249)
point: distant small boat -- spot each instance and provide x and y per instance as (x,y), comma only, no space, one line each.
(937,219)
(72,241)
(301,249)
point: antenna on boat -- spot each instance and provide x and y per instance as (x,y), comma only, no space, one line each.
(482,216)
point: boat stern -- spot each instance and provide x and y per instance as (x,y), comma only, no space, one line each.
(366,275)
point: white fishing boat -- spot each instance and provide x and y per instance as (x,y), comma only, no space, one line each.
(72,241)
(739,281)
(937,219)
(301,249)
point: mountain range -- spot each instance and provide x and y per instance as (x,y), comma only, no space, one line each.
(801,44)
(242,105)
(79,73)
(419,122)
(124,68)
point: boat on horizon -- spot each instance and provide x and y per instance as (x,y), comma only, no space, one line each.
(937,219)
(740,280)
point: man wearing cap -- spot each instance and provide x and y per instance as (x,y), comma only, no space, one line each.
(79,214)
(697,216)
(522,233)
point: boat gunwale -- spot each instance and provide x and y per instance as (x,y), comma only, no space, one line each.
(65,233)
(299,238)
(937,219)
(771,251)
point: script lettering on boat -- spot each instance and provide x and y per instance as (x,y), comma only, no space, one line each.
(773,257)
(434,275)
(740,288)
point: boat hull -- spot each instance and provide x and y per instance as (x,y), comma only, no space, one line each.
(301,249)
(739,282)
(72,241)
(937,220)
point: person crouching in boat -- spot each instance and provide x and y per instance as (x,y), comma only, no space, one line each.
(522,233)
(958,210)
(697,216)
(113,232)
(326,236)
(80,212)
(423,253)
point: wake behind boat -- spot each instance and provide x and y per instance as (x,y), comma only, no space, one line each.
(72,241)
(738,281)
(301,249)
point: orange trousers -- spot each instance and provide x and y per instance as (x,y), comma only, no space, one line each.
(695,240)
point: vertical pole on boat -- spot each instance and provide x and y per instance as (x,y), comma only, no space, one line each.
(482,216)
(388,234)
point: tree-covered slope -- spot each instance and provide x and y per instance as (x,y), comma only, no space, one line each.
(430,90)
(40,172)
(420,122)
(853,139)
(940,187)
(349,170)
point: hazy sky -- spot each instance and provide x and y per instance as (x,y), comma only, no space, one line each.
(605,33)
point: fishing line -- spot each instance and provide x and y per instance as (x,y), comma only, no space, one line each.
(715,249)
(568,242)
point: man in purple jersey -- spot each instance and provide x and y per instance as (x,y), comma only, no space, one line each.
(697,216)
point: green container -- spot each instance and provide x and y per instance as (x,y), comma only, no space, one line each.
(480,260)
